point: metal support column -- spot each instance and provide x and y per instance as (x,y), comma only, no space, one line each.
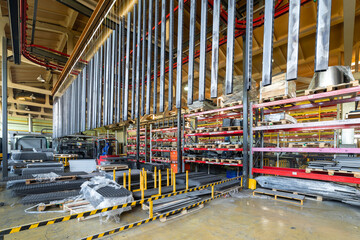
(179,151)
(150,150)
(245,128)
(4,109)
(251,157)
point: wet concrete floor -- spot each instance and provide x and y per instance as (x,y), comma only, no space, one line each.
(239,217)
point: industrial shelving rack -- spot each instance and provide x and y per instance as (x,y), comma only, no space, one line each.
(144,145)
(323,99)
(163,139)
(207,127)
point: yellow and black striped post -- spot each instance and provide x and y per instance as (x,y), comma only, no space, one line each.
(124,180)
(129,180)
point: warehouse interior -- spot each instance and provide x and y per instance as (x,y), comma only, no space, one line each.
(159,119)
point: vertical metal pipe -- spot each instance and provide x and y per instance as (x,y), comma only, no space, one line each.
(4,109)
(191,52)
(83,100)
(127,69)
(245,127)
(95,89)
(230,47)
(162,56)
(179,137)
(89,93)
(133,74)
(202,64)
(179,55)
(123,49)
(112,74)
(268,43)
(215,49)
(155,56)
(148,65)
(143,59)
(118,71)
(248,46)
(106,74)
(100,83)
(171,55)
(137,103)
(322,35)
(293,40)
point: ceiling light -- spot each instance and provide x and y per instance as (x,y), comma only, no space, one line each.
(32,97)
(40,79)
(186,88)
(27,108)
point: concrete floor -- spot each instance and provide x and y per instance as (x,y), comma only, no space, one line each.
(240,217)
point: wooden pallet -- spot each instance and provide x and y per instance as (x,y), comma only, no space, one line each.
(332,87)
(80,206)
(33,161)
(58,179)
(271,99)
(281,196)
(112,167)
(281,122)
(211,159)
(231,161)
(57,204)
(352,115)
(309,145)
(332,172)
(192,158)
(306,195)
(230,128)
(236,103)
(197,110)
(180,214)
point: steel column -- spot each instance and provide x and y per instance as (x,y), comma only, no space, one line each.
(215,49)
(4,109)
(245,127)
(143,59)
(179,55)
(123,49)
(203,40)
(171,55)
(251,157)
(162,56)
(112,73)
(248,44)
(133,74)
(155,56)
(148,65)
(100,99)
(293,39)
(191,52)
(127,69)
(268,42)
(83,99)
(230,47)
(179,137)
(322,35)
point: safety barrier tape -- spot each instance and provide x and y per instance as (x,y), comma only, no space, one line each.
(101,210)
(136,224)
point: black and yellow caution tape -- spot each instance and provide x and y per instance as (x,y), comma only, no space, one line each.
(101,210)
(136,224)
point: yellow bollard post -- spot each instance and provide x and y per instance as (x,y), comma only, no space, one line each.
(174,183)
(155,178)
(212,191)
(114,175)
(241,182)
(151,213)
(124,180)
(167,177)
(129,180)
(171,174)
(160,182)
(145,180)
(142,186)
(187,180)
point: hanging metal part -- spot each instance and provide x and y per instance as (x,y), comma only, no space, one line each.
(322,35)
(215,49)
(106,77)
(155,56)
(202,64)
(127,69)
(133,74)
(179,55)
(143,59)
(101,71)
(293,40)
(123,49)
(191,52)
(171,55)
(112,74)
(138,54)
(179,137)
(14,21)
(96,90)
(88,95)
(248,44)
(119,76)
(230,47)
(148,65)
(4,89)
(162,56)
(268,43)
